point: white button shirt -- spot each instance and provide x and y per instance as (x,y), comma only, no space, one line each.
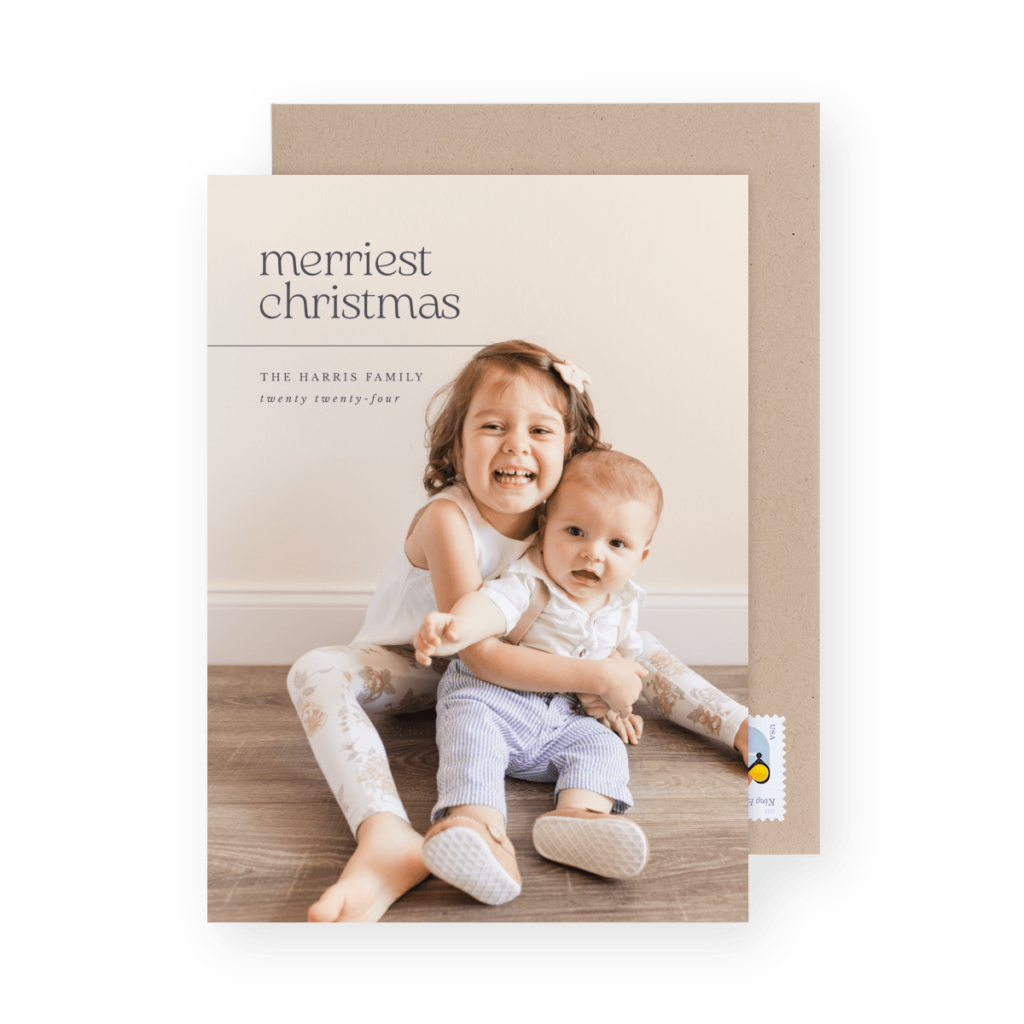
(563,627)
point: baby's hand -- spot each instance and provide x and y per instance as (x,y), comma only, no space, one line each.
(438,635)
(593,705)
(629,727)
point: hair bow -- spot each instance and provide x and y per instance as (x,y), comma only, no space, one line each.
(572,375)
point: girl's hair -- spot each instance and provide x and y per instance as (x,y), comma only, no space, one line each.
(510,359)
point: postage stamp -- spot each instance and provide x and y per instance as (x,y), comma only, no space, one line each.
(766,770)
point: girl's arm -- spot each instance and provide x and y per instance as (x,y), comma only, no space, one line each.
(473,618)
(441,543)
(523,668)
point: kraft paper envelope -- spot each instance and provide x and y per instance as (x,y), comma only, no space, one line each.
(776,145)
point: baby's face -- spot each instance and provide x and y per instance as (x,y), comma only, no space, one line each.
(592,541)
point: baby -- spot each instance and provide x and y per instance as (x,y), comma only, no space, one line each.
(571,594)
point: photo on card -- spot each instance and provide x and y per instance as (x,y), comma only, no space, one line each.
(338,307)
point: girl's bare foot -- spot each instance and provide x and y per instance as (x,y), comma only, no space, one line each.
(387,863)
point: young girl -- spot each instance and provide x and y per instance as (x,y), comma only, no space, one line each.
(507,423)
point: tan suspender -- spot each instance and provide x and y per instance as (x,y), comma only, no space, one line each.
(623,622)
(538,602)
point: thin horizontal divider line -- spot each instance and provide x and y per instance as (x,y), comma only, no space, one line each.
(345,346)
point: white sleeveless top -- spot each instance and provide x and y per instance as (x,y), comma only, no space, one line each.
(405,595)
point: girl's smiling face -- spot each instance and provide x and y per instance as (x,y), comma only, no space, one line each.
(513,448)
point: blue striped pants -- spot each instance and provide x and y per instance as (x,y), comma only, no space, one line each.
(485,732)
(331,686)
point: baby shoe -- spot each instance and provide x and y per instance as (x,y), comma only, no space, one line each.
(479,859)
(604,844)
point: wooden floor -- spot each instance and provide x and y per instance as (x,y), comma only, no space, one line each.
(277,838)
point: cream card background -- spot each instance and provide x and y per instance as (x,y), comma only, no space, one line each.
(641,281)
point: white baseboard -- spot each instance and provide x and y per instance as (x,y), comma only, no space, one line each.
(275,627)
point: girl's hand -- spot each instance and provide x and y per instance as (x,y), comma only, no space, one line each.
(619,683)
(438,635)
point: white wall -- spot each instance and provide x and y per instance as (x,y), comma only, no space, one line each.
(641,281)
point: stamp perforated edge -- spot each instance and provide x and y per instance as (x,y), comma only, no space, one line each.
(766,768)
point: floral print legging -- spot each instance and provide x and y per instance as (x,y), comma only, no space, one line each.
(331,686)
